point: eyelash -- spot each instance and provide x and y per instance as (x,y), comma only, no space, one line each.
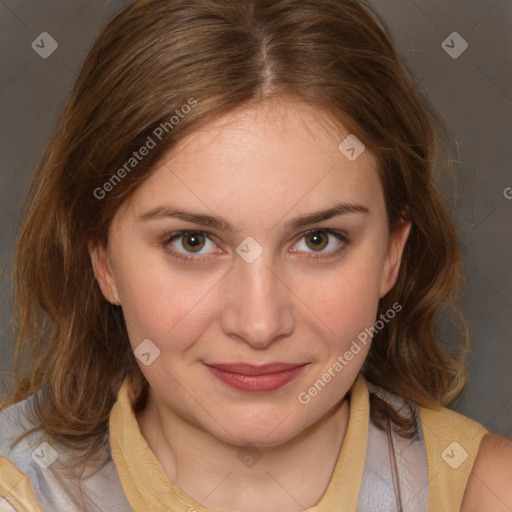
(340,235)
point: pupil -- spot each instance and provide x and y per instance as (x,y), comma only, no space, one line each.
(316,239)
(193,241)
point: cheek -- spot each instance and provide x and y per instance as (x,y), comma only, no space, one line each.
(341,317)
(346,299)
(161,305)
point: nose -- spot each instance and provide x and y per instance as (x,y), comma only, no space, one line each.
(259,306)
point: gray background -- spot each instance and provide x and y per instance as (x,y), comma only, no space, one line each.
(472,92)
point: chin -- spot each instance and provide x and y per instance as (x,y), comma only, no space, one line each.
(261,433)
(257,439)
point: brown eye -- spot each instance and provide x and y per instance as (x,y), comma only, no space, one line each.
(193,242)
(317,240)
(189,242)
(322,242)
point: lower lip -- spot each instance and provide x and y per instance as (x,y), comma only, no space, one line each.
(256,383)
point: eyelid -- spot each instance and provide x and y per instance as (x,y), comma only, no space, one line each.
(341,235)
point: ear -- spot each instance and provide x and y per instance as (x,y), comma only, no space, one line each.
(394,257)
(103,272)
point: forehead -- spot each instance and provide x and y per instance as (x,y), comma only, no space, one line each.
(272,157)
(273,128)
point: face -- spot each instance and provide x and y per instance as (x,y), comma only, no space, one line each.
(223,257)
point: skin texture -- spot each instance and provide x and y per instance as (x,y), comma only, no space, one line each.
(257,168)
(489,485)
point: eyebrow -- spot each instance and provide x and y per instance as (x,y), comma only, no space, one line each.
(223,225)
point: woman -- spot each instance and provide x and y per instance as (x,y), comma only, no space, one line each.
(228,277)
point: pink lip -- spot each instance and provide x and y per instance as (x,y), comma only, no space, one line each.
(246,377)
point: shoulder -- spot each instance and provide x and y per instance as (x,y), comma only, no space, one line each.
(444,427)
(15,420)
(15,487)
(452,436)
(442,417)
(5,506)
(452,442)
(40,473)
(489,485)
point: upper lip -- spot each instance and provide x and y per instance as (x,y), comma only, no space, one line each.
(250,369)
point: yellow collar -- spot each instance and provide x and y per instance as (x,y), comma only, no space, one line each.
(147,487)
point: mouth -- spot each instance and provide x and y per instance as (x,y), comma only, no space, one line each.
(262,378)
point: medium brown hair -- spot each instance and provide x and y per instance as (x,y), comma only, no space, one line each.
(153,58)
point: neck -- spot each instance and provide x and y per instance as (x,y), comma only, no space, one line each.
(285,478)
